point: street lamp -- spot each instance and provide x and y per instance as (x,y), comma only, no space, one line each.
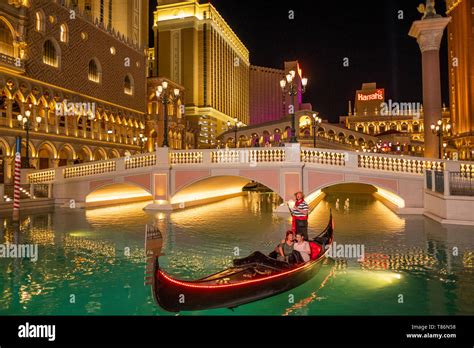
(141,141)
(440,129)
(316,122)
(25,124)
(165,96)
(288,85)
(237,125)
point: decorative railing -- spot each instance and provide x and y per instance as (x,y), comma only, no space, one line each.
(429,180)
(467,170)
(332,158)
(439,182)
(460,184)
(43,176)
(141,161)
(12,61)
(248,156)
(90,169)
(398,164)
(186,157)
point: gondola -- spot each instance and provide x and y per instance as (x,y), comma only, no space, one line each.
(250,279)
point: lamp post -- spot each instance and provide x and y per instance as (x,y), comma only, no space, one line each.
(142,141)
(316,122)
(165,96)
(288,85)
(237,125)
(25,124)
(440,129)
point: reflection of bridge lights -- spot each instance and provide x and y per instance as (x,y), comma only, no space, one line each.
(468,259)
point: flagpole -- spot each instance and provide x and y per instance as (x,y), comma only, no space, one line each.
(17,179)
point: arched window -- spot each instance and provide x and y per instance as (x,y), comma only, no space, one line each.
(128,85)
(64,33)
(40,22)
(50,54)
(6,40)
(94,71)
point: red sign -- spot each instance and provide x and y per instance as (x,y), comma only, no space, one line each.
(377,95)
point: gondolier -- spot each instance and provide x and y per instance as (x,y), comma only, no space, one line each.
(300,213)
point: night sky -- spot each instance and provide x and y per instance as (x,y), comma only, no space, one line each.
(367,32)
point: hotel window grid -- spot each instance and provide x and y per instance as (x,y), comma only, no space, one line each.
(110,12)
(50,55)
(102,11)
(94,71)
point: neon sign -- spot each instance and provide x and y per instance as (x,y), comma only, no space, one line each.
(378,95)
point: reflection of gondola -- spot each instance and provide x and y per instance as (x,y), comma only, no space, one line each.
(255,187)
(252,278)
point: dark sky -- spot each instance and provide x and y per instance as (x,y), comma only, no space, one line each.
(368,32)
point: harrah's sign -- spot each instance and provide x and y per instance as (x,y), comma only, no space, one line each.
(377,95)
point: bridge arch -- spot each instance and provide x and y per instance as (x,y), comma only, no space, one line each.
(383,192)
(209,187)
(109,192)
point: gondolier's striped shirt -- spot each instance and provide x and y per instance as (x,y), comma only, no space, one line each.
(304,206)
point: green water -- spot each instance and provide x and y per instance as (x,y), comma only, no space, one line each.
(91,262)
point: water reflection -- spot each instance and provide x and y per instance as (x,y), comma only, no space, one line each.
(101,251)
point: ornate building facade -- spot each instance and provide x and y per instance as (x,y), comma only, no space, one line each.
(199,50)
(80,81)
(461,74)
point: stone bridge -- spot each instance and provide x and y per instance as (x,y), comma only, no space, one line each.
(179,179)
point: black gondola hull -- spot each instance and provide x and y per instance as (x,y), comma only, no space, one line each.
(237,285)
(175,296)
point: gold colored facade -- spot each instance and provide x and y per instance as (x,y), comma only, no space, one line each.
(461,74)
(129,18)
(198,50)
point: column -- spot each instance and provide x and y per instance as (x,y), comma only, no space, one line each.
(9,162)
(9,105)
(429,32)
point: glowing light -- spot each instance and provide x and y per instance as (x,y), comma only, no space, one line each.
(391,197)
(204,195)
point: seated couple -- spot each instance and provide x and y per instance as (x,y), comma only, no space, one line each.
(294,251)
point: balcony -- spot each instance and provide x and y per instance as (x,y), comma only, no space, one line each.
(12,63)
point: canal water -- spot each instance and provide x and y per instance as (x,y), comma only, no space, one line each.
(91,262)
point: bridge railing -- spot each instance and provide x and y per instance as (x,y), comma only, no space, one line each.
(291,153)
(453,181)
(398,164)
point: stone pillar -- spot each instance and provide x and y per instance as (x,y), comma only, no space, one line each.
(428,33)
(9,163)
(9,107)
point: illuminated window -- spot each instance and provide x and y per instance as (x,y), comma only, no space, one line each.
(6,39)
(94,71)
(50,54)
(40,24)
(128,85)
(64,35)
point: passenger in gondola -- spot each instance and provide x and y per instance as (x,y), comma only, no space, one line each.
(302,246)
(285,249)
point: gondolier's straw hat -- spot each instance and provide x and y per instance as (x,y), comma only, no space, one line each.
(302,194)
